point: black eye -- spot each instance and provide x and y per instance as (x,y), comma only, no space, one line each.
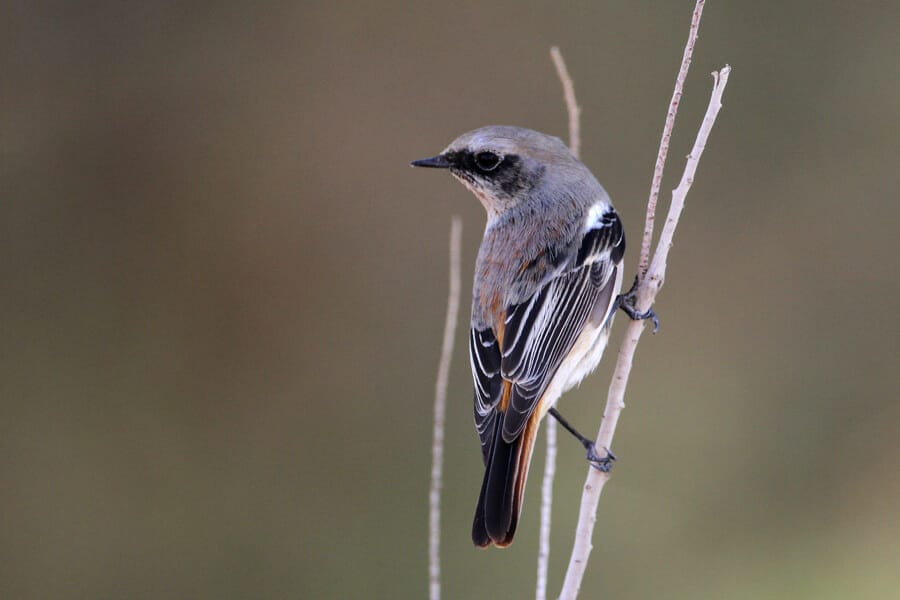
(487,161)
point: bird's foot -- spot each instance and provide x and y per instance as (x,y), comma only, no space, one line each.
(627,302)
(601,463)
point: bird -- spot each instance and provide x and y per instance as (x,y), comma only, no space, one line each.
(546,287)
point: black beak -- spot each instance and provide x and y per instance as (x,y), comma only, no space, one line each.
(435,162)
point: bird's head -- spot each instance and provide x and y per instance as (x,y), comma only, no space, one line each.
(504,166)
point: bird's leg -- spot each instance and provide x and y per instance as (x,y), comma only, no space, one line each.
(601,463)
(626,303)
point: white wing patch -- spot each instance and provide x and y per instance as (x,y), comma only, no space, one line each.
(595,216)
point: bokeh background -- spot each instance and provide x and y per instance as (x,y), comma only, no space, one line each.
(223,291)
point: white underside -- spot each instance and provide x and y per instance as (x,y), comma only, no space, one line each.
(583,358)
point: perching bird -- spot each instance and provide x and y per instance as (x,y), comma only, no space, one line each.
(547,283)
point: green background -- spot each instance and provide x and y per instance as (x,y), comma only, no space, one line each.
(223,291)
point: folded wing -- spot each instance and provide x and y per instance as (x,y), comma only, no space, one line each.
(539,332)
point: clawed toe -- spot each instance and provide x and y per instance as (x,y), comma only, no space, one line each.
(601,463)
(627,301)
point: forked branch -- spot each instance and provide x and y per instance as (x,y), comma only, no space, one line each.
(648,286)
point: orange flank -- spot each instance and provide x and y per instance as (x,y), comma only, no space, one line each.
(505,393)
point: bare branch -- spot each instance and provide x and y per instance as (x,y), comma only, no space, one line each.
(440,404)
(546,510)
(657,270)
(574,113)
(648,287)
(647,291)
(571,105)
(655,184)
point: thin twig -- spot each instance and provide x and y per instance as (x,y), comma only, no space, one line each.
(648,287)
(574,113)
(440,404)
(655,184)
(546,510)
(658,265)
(571,105)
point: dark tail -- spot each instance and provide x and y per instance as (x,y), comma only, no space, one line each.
(502,490)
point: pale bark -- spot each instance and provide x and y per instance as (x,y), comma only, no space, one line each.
(440,409)
(574,113)
(648,287)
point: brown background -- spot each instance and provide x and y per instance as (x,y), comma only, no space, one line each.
(223,289)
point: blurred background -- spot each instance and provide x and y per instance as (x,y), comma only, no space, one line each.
(223,291)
